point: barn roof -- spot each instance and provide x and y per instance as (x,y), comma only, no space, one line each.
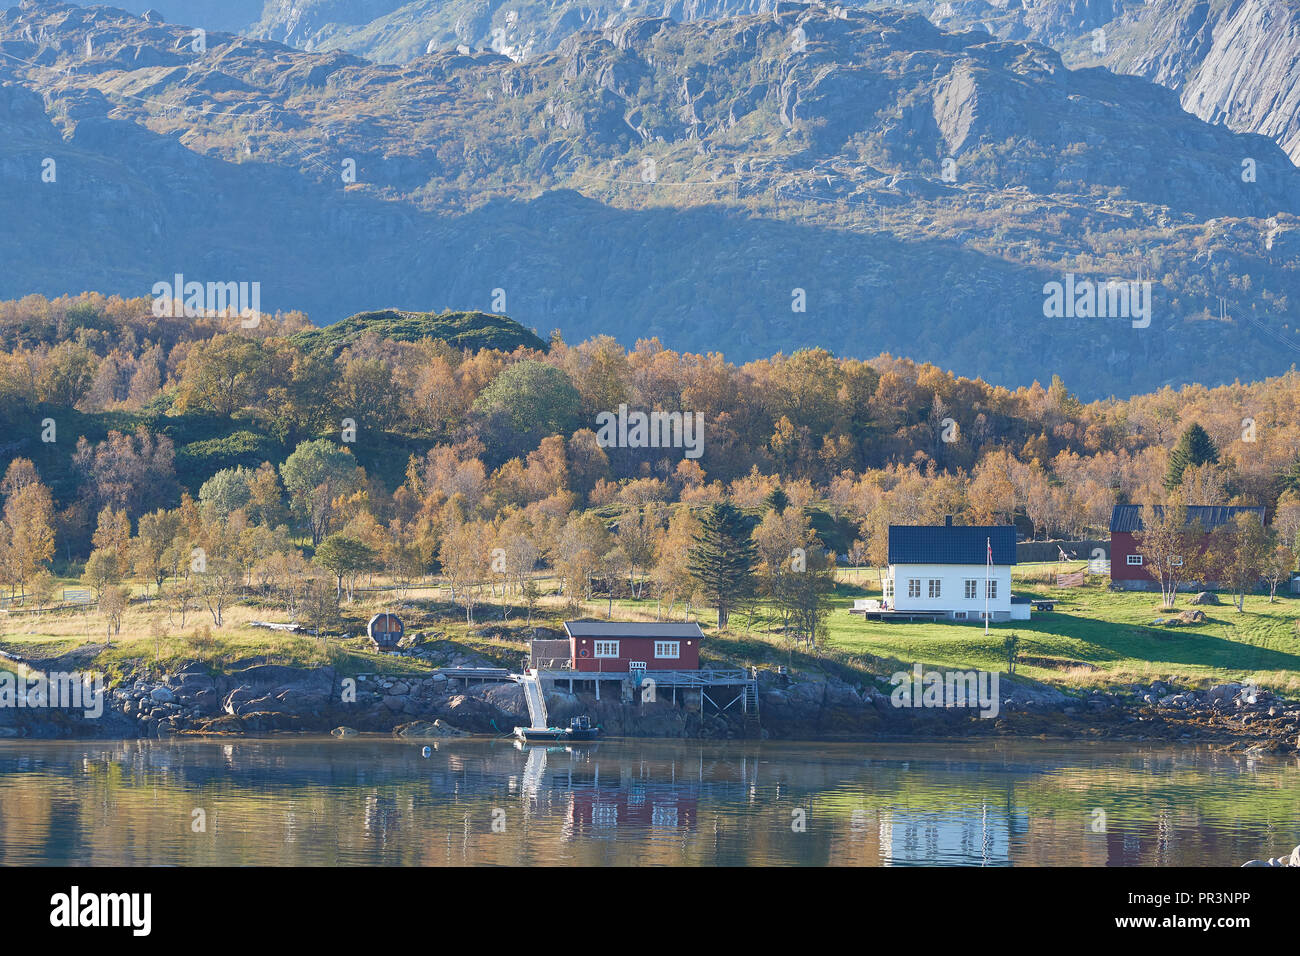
(951,544)
(1129,517)
(632,629)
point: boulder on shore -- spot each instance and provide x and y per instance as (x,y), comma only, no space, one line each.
(1205,597)
(343,732)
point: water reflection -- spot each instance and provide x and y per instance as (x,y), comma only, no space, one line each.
(382,801)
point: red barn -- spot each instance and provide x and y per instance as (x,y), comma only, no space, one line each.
(1126,564)
(620,647)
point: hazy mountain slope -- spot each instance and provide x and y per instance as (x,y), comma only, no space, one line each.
(774,171)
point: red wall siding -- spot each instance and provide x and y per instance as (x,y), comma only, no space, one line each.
(657,807)
(633,649)
(1122,545)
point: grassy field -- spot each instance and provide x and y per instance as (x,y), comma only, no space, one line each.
(1095,637)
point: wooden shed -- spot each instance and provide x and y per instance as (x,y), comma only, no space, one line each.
(385,630)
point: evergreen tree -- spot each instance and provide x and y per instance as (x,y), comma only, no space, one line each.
(721,559)
(777,500)
(1194,448)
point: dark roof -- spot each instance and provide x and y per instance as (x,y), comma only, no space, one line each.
(632,629)
(951,544)
(1129,517)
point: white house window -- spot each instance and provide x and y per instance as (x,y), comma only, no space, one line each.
(636,665)
(888,588)
(914,587)
(971,589)
(936,587)
(1135,559)
(993,590)
(662,815)
(959,615)
(606,649)
(668,649)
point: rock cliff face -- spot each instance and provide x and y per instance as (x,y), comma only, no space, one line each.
(1235,62)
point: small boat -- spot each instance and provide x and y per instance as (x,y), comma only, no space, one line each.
(579,729)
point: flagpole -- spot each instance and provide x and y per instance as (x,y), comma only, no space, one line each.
(987,564)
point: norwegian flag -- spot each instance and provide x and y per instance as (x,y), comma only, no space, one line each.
(989,541)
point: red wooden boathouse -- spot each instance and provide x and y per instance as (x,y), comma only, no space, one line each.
(621,647)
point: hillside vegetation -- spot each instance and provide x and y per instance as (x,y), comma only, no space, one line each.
(160,477)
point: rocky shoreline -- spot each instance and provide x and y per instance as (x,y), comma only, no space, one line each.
(1292,860)
(268,699)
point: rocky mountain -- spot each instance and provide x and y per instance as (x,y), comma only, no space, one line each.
(855,179)
(1235,62)
(1232,61)
(395,31)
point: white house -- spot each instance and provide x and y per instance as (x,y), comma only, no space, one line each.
(949,570)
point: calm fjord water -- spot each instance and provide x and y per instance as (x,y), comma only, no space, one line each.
(638,802)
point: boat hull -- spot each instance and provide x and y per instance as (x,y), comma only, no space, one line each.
(555,733)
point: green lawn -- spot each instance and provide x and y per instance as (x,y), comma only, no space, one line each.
(1096,636)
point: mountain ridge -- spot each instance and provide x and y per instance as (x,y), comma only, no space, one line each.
(689,181)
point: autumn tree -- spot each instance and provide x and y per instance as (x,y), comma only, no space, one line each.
(344,557)
(636,536)
(29,531)
(1238,554)
(318,605)
(1278,564)
(670,578)
(807,596)
(221,375)
(579,552)
(465,562)
(316,475)
(1166,543)
(155,535)
(112,604)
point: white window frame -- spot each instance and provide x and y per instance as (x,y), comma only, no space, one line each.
(972,589)
(1135,560)
(602,649)
(914,587)
(668,650)
(959,615)
(992,589)
(636,665)
(935,588)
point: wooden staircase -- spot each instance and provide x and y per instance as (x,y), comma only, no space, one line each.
(753,727)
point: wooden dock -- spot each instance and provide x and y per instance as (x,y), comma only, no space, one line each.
(720,688)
